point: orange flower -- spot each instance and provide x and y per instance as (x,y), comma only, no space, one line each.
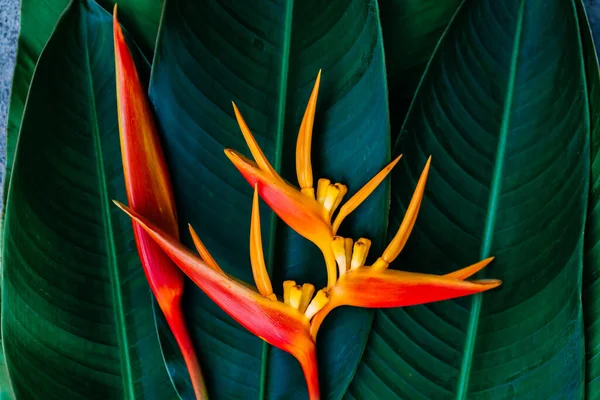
(378,287)
(149,192)
(307,213)
(285,325)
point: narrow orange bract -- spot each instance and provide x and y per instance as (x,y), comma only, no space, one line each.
(279,324)
(149,192)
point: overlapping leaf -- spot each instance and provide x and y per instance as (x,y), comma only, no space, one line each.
(77,312)
(502,110)
(265,57)
(38,19)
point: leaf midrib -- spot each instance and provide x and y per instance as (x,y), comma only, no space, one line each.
(128,386)
(488,233)
(277,158)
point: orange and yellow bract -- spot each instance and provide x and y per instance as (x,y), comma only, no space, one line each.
(149,192)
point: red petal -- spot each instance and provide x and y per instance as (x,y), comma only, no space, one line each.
(149,192)
(276,323)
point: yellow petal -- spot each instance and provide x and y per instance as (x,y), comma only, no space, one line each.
(360,252)
(470,270)
(287,290)
(317,304)
(398,242)
(307,292)
(339,251)
(257,153)
(303,145)
(257,258)
(362,194)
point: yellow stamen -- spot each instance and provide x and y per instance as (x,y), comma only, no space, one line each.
(348,246)
(362,194)
(322,186)
(257,153)
(339,250)
(287,291)
(257,258)
(203,251)
(295,296)
(320,300)
(303,145)
(359,255)
(343,190)
(307,292)
(408,222)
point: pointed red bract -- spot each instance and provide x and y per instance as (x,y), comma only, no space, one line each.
(149,192)
(276,323)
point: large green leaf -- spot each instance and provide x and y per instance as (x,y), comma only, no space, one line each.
(591,270)
(502,110)
(77,311)
(38,19)
(265,56)
(411,30)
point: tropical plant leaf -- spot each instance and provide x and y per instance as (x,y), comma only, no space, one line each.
(591,269)
(265,57)
(502,110)
(411,30)
(77,311)
(38,20)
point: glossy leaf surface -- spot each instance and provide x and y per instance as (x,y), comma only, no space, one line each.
(509,178)
(77,311)
(265,56)
(591,270)
(411,31)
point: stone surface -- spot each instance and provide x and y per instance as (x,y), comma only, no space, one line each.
(9,30)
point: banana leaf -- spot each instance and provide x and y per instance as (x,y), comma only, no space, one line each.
(503,111)
(78,321)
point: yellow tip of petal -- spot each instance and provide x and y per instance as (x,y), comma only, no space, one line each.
(257,258)
(322,186)
(303,145)
(362,194)
(203,251)
(408,222)
(360,252)
(307,292)
(320,300)
(295,296)
(287,290)
(339,251)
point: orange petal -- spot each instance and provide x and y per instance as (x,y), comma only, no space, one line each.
(303,145)
(374,288)
(300,212)
(408,222)
(149,192)
(257,258)
(470,270)
(273,321)
(362,194)
(257,153)
(391,288)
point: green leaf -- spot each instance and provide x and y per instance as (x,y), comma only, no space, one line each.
(503,112)
(411,30)
(591,269)
(38,20)
(265,56)
(77,311)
